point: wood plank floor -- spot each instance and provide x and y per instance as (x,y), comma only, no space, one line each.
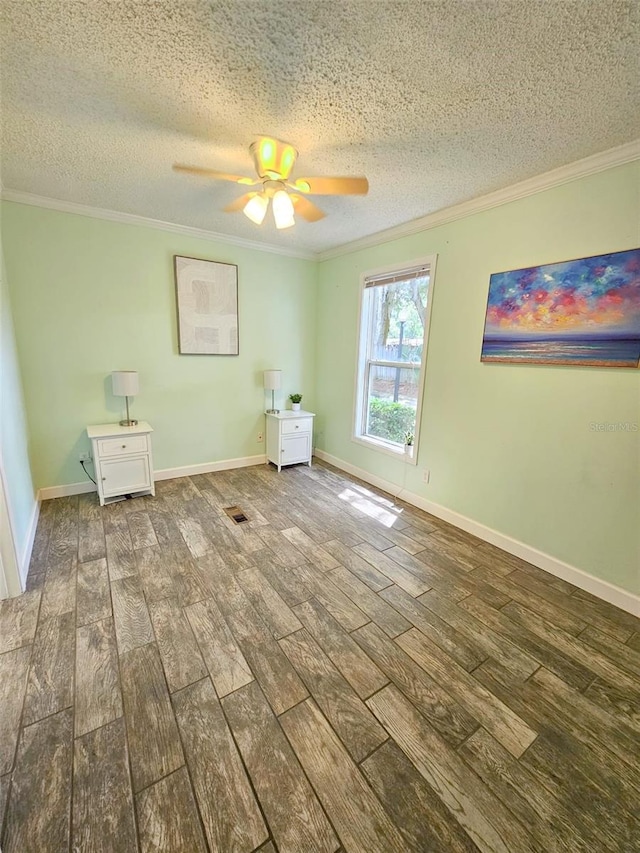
(341,673)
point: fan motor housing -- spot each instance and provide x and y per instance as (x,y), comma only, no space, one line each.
(273,158)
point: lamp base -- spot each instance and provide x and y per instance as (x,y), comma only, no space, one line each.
(128,423)
(273,411)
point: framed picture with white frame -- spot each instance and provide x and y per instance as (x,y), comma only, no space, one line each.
(207,299)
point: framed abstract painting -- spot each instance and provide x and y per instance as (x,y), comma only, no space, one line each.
(207,295)
(584,312)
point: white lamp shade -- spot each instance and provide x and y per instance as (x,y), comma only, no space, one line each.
(125,383)
(283,209)
(272,379)
(256,208)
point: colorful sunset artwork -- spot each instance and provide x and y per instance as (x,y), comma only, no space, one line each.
(584,312)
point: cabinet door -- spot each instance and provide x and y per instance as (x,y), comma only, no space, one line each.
(124,476)
(295,448)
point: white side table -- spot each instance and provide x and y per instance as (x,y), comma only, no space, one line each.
(290,438)
(122,460)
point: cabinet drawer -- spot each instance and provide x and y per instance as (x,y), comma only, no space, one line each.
(290,427)
(122,446)
(124,476)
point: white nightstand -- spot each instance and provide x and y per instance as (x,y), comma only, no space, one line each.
(122,460)
(289,438)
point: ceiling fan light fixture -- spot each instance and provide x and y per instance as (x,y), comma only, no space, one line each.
(264,152)
(274,160)
(283,210)
(267,151)
(287,160)
(256,208)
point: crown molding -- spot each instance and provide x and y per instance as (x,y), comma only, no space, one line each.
(20,197)
(618,156)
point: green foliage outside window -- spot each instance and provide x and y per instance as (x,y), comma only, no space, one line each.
(390,420)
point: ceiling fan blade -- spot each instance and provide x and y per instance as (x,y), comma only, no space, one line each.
(213,173)
(239,203)
(306,209)
(332,186)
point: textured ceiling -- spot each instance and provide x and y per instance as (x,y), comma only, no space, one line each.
(435,102)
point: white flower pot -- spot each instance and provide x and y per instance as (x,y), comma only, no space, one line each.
(295,407)
(408,450)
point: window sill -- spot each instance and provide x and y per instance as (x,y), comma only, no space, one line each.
(385,447)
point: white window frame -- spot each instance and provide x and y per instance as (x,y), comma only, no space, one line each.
(362,363)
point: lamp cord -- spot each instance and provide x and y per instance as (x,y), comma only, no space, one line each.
(128,497)
(87,473)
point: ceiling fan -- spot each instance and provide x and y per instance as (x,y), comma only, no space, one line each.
(274,161)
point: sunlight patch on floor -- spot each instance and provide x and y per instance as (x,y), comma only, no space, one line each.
(367,506)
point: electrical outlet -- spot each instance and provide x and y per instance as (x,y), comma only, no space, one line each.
(426,475)
(260,438)
(85,457)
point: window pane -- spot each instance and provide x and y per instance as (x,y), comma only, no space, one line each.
(397,320)
(392,399)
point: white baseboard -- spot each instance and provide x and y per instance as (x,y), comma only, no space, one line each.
(25,558)
(596,586)
(210,467)
(615,595)
(49,492)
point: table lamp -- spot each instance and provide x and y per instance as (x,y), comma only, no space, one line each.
(125,384)
(272,381)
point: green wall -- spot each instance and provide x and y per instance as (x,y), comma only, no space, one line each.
(13,436)
(508,446)
(91,296)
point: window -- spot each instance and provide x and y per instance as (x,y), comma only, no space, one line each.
(394,325)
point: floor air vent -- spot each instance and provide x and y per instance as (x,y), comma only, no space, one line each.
(236,514)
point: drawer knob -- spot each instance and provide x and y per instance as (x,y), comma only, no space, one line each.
(282,451)
(123,446)
(104,478)
(297,426)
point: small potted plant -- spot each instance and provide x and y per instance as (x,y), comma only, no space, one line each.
(295,402)
(408,444)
